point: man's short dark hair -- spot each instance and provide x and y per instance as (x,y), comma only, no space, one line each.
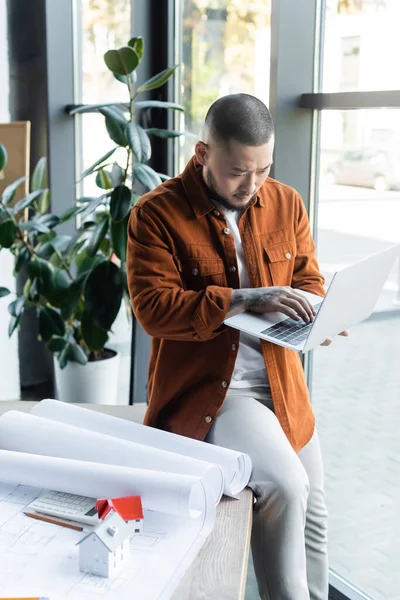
(240,117)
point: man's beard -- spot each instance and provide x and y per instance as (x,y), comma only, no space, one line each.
(214,195)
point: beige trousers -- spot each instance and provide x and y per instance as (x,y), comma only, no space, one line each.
(289,535)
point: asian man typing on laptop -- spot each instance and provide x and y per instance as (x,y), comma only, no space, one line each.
(220,240)
(350,299)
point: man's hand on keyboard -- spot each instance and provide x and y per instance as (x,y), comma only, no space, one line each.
(329,341)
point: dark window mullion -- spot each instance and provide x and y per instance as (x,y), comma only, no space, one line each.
(350,100)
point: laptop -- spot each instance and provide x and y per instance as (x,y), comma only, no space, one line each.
(350,299)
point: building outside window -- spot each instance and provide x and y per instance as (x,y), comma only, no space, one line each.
(356,382)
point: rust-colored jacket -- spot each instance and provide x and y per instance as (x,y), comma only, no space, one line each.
(180,273)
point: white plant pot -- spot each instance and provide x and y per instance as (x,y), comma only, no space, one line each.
(93,383)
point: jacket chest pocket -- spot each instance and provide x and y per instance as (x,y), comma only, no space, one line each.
(280,262)
(198,273)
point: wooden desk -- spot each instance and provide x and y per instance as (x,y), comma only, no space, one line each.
(220,569)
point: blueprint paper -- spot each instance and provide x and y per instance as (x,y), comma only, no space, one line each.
(41,559)
(236,466)
(24,432)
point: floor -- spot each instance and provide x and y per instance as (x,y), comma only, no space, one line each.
(356,394)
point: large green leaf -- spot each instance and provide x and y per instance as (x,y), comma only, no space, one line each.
(8,231)
(39,175)
(41,269)
(12,326)
(10,190)
(163,176)
(158,104)
(72,297)
(91,207)
(3,157)
(98,162)
(86,263)
(146,176)
(124,277)
(103,179)
(25,202)
(116,132)
(50,323)
(124,79)
(46,250)
(76,354)
(164,133)
(16,308)
(94,336)
(138,141)
(44,202)
(103,294)
(57,289)
(157,80)
(121,200)
(137,44)
(71,212)
(97,236)
(117,175)
(63,357)
(119,237)
(122,61)
(94,108)
(40,223)
(57,343)
(4,292)
(114,114)
(23,257)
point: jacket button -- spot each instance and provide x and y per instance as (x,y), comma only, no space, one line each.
(226,230)
(208,419)
(232,269)
(234,347)
(216,213)
(195,271)
(224,384)
(288,255)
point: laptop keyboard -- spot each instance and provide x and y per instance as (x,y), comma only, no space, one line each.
(291,331)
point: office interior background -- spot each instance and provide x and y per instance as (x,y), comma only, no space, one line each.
(328,71)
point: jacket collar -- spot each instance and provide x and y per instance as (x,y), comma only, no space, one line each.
(196,190)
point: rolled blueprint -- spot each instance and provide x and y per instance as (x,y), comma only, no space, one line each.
(29,433)
(182,495)
(235,466)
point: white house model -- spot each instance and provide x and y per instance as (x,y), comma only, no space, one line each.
(105,549)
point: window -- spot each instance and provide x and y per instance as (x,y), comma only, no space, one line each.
(361,40)
(356,382)
(104,24)
(225,49)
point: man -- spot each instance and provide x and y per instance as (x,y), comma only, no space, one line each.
(220,239)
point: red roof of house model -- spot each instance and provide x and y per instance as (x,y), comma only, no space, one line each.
(128,507)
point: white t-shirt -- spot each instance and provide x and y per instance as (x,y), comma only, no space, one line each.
(249,368)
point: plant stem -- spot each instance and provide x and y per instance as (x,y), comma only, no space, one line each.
(63,264)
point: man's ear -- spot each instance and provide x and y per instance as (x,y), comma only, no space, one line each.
(200,151)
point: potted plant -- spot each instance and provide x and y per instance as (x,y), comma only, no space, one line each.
(77,283)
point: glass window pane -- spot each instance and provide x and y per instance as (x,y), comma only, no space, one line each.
(356,381)
(225,49)
(105,24)
(360,41)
